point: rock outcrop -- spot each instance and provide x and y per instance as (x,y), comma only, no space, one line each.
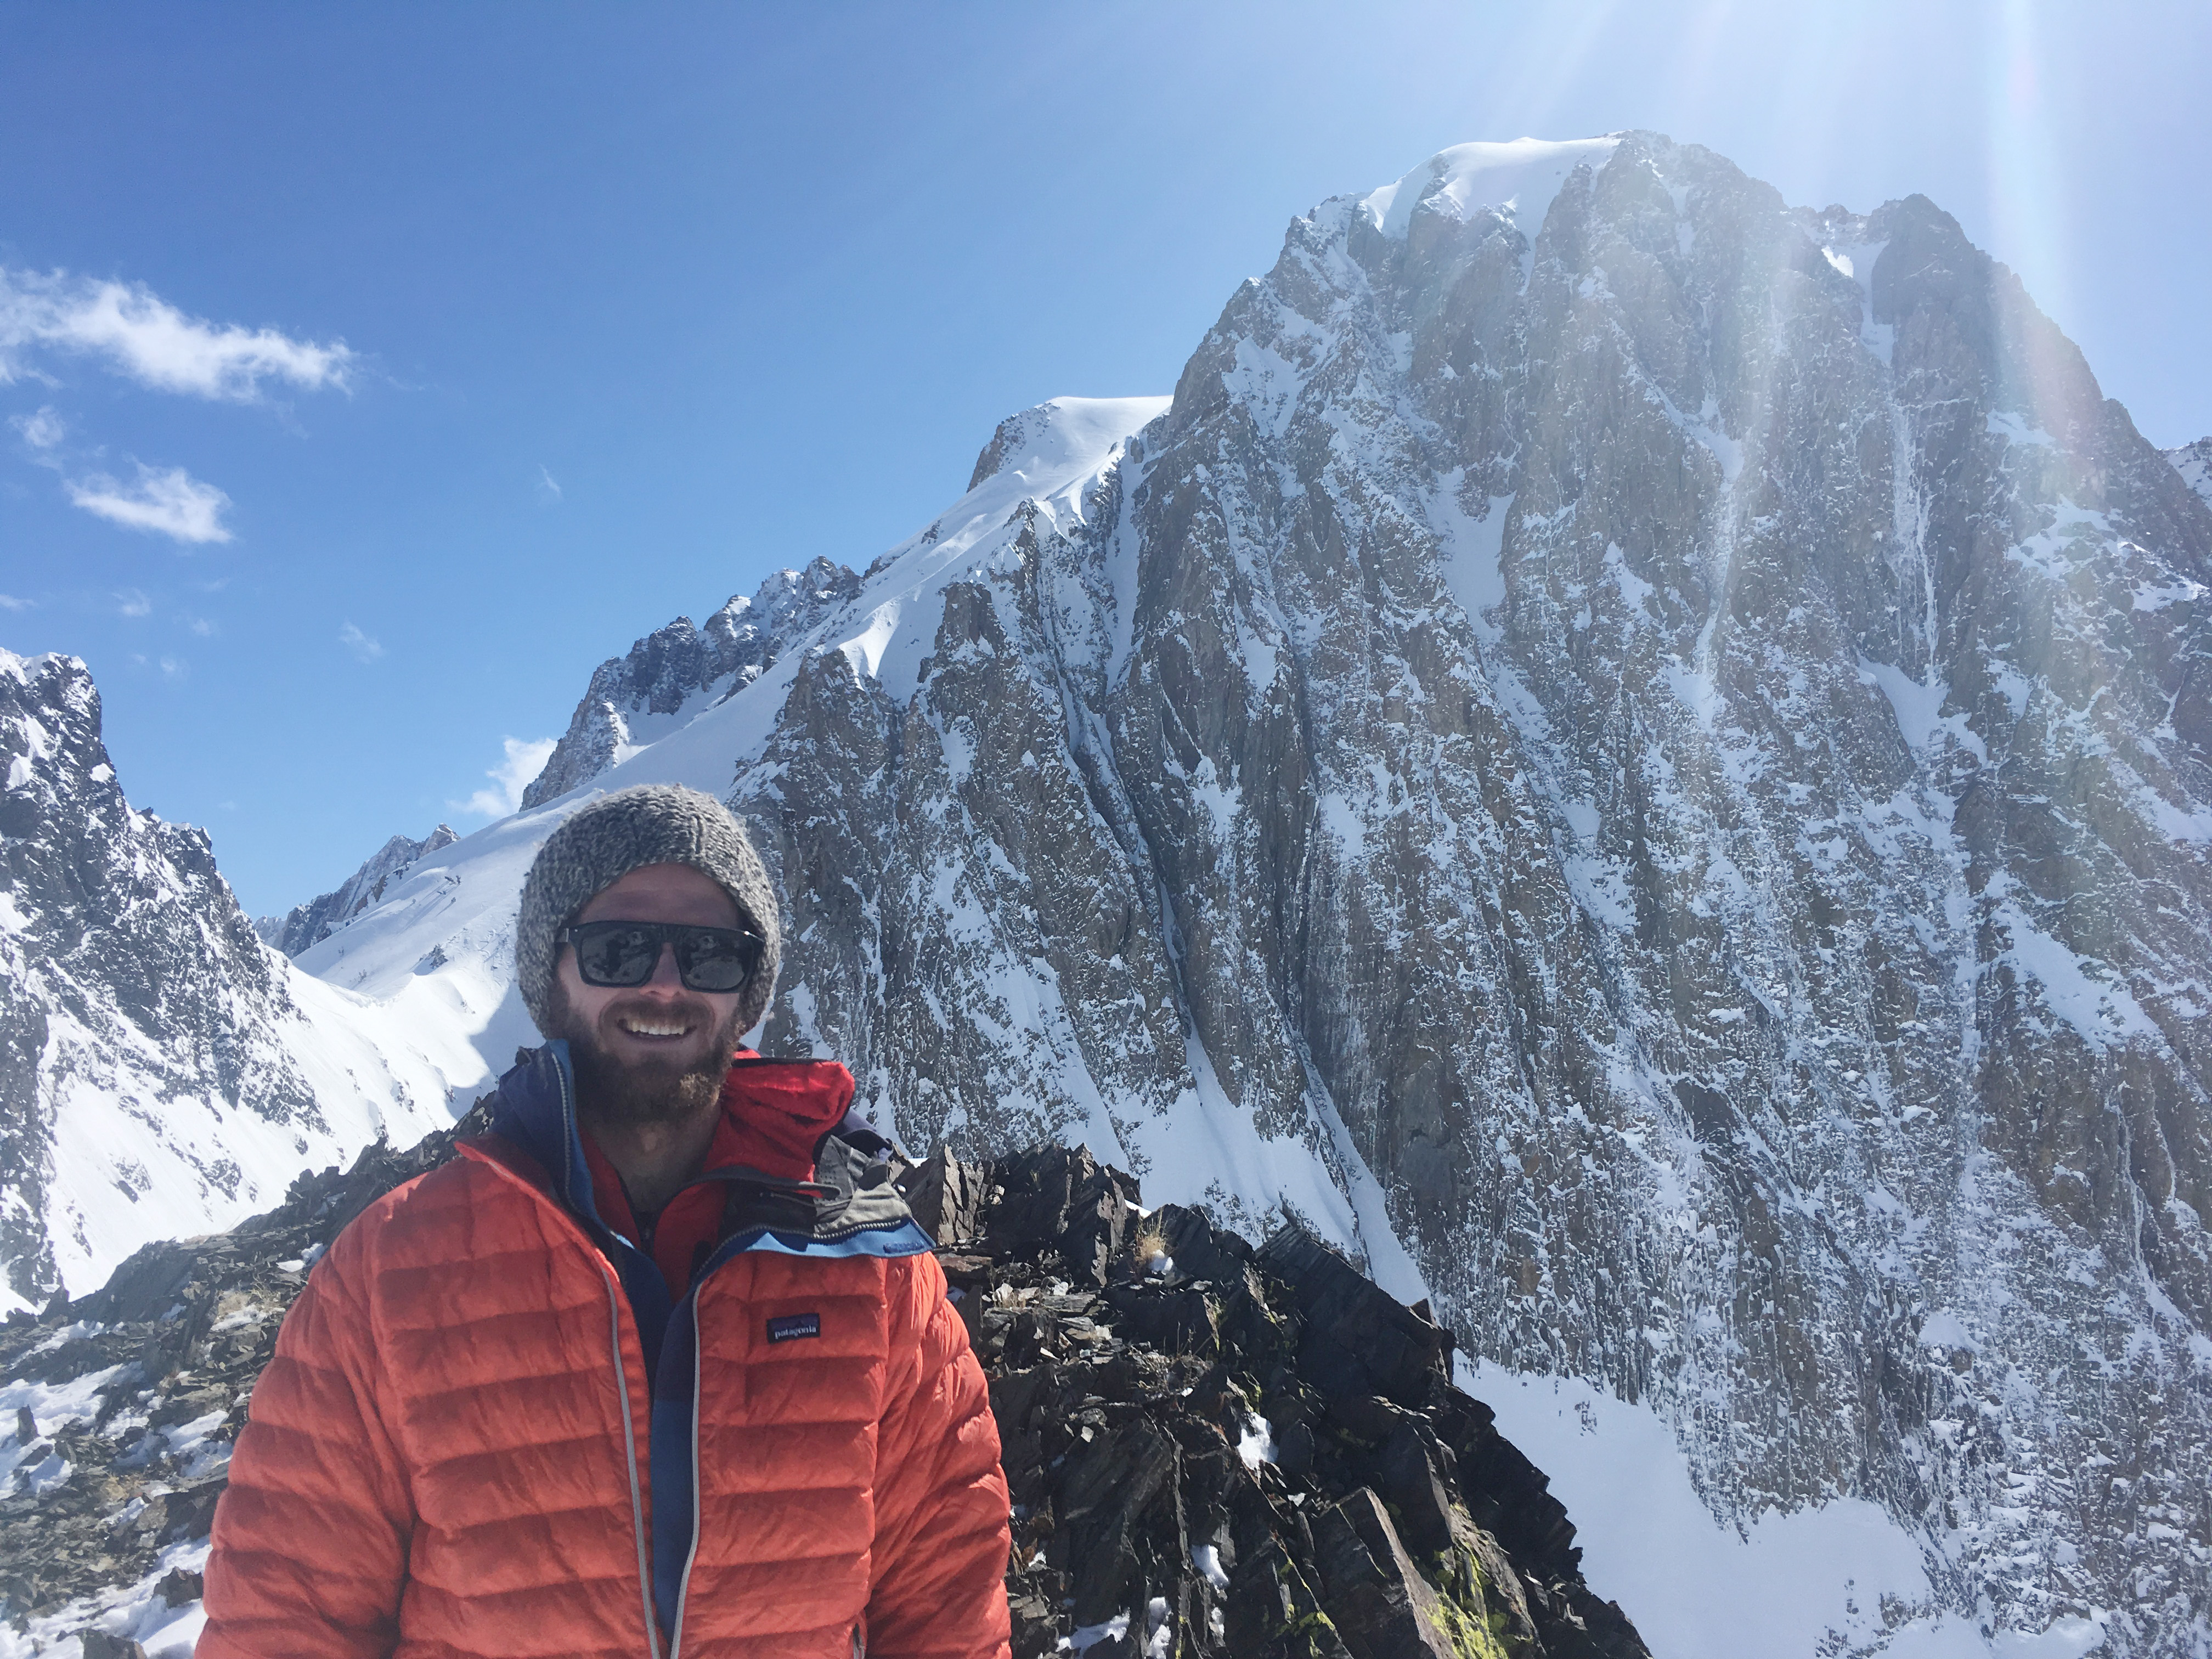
(1212,1449)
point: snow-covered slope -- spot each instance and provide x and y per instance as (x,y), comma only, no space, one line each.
(162,1072)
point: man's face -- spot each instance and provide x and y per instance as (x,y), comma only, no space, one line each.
(654,1051)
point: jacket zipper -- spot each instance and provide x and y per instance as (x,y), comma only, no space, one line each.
(629,1450)
(683,1586)
(615,1299)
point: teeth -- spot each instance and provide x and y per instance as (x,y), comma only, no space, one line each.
(640,1028)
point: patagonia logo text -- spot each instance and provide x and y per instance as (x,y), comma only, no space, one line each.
(792,1326)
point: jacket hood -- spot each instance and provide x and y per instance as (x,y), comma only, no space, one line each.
(802,1182)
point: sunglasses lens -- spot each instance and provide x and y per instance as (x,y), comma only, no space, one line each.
(715,959)
(620,953)
(610,953)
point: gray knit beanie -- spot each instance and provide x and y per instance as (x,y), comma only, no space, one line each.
(601,843)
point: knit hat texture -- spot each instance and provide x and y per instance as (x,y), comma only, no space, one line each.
(601,843)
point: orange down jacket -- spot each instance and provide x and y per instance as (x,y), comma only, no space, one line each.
(461,1448)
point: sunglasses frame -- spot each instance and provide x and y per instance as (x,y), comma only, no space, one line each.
(666,935)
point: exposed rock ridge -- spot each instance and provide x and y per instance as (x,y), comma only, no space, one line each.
(310,923)
(675,670)
(1212,1449)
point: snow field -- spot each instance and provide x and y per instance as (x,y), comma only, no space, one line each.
(1842,1579)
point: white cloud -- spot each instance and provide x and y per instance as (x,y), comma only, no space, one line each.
(200,625)
(42,430)
(149,340)
(364,647)
(172,503)
(134,603)
(549,487)
(524,762)
(9,602)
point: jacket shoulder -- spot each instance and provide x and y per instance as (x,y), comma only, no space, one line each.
(427,1216)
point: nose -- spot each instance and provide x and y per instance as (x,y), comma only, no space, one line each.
(665,976)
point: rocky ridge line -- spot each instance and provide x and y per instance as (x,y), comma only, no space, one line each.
(127,969)
(310,923)
(675,672)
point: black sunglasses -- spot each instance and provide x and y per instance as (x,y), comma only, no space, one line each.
(624,953)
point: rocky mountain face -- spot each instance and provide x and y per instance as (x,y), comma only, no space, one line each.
(310,923)
(675,672)
(1671,730)
(161,1072)
(1212,1449)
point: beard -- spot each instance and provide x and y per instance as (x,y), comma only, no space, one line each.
(647,1091)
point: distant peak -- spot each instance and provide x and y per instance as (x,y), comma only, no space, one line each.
(1061,430)
(1517,177)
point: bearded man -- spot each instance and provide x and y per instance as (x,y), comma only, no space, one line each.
(660,1366)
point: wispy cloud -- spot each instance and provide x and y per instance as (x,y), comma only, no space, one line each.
(549,487)
(132,603)
(524,762)
(42,430)
(169,502)
(142,337)
(364,647)
(9,602)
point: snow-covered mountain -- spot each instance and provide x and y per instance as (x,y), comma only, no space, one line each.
(1634,755)
(162,1072)
(315,920)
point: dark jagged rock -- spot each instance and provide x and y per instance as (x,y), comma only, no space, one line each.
(2194,463)
(1255,1452)
(1194,1468)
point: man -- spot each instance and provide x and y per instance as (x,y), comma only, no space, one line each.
(659,1367)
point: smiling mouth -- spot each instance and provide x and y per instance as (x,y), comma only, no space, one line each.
(655,1030)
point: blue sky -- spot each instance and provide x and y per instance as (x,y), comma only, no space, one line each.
(370,376)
